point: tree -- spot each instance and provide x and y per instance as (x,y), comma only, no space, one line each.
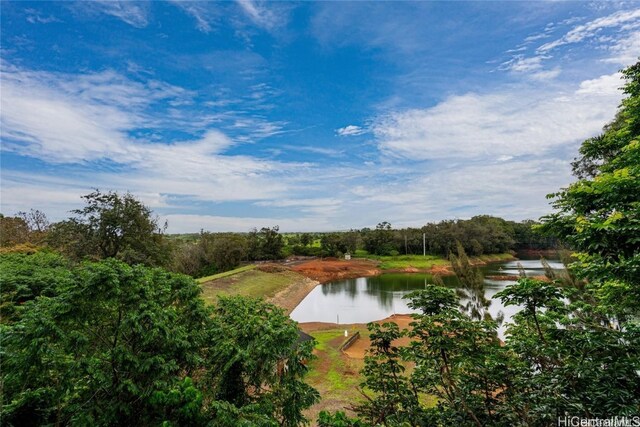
(114,345)
(472,292)
(13,231)
(380,240)
(26,227)
(112,226)
(212,253)
(599,215)
(257,360)
(332,244)
(456,359)
(265,244)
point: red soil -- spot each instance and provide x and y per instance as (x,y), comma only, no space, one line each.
(329,269)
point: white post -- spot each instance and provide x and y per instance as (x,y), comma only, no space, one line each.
(424,244)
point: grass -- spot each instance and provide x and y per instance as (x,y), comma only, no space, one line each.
(333,374)
(421,262)
(337,376)
(226,273)
(249,282)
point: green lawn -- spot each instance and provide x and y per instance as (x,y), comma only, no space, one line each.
(249,282)
(226,273)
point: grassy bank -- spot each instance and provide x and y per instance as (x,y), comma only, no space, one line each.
(249,282)
(400,262)
(336,376)
(226,273)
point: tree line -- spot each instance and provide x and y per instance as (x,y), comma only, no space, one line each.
(113,225)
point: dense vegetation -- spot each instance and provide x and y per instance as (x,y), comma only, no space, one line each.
(105,343)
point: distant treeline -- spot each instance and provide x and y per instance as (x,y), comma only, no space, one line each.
(111,225)
(479,235)
(208,253)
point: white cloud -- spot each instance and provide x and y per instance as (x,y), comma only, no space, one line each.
(625,51)
(131,12)
(263,14)
(514,122)
(89,120)
(350,130)
(617,34)
(64,118)
(592,28)
(189,223)
(203,13)
(34,17)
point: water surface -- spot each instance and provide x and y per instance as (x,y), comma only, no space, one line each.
(367,299)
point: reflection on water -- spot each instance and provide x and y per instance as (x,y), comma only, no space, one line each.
(372,298)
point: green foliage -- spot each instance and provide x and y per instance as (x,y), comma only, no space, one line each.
(211,253)
(333,244)
(337,419)
(380,240)
(265,244)
(456,359)
(257,359)
(570,351)
(575,363)
(27,276)
(111,344)
(102,348)
(599,215)
(394,399)
(112,226)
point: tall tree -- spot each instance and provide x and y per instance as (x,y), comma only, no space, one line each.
(258,360)
(110,347)
(599,215)
(112,225)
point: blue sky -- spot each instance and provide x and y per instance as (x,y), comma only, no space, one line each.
(310,115)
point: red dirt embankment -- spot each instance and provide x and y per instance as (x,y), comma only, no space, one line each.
(329,269)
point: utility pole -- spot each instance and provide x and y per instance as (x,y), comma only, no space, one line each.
(424,244)
(405,244)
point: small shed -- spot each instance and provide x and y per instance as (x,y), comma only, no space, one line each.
(304,336)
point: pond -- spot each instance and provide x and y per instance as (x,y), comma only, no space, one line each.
(373,298)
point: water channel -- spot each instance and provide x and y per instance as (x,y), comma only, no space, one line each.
(367,299)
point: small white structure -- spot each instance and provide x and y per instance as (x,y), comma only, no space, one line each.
(347,256)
